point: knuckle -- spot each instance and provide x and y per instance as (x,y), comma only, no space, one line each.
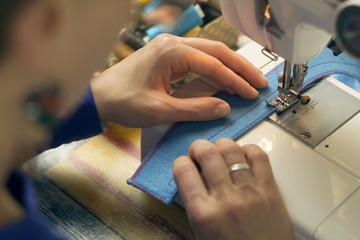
(163,45)
(239,203)
(199,143)
(274,201)
(228,146)
(206,151)
(164,38)
(203,218)
(256,202)
(181,166)
(234,207)
(194,113)
(233,201)
(253,199)
(255,152)
(217,65)
(247,188)
(220,45)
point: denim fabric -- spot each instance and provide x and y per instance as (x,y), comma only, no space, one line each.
(155,175)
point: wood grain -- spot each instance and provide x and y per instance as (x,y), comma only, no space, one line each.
(95,176)
(67,217)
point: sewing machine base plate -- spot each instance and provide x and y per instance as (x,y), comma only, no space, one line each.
(330,108)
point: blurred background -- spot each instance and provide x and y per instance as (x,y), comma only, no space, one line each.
(186,18)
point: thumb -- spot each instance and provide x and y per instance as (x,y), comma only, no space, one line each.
(196,109)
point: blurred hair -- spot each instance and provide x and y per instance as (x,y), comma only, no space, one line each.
(8,10)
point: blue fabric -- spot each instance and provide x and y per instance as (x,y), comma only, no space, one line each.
(84,123)
(187,21)
(349,80)
(32,225)
(151,6)
(155,177)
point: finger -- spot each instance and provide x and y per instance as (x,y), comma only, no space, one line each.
(212,164)
(188,181)
(260,166)
(194,109)
(231,59)
(233,154)
(195,61)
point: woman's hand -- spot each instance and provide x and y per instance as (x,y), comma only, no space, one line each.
(135,92)
(244,204)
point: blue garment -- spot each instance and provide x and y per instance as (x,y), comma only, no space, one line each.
(32,226)
(155,176)
(83,123)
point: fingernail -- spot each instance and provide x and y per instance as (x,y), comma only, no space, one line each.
(222,110)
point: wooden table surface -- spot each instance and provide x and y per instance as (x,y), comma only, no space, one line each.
(83,191)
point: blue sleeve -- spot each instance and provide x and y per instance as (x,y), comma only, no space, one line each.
(32,225)
(84,123)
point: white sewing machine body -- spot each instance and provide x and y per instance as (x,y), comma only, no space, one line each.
(319,179)
(296,30)
(320,185)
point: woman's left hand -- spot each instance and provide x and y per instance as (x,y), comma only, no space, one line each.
(135,92)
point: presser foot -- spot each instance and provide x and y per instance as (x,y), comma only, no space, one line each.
(313,121)
(280,104)
(287,98)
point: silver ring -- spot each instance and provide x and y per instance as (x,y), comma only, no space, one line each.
(238,167)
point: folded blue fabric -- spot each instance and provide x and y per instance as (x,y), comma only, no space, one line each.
(155,175)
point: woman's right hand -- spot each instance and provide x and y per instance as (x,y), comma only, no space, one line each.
(244,204)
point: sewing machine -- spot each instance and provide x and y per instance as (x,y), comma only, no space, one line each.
(297,31)
(317,168)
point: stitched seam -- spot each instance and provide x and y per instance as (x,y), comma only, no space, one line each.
(169,133)
(230,124)
(148,191)
(155,149)
(337,63)
(244,129)
(172,130)
(173,193)
(322,75)
(269,73)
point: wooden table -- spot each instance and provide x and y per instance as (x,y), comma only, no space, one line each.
(83,191)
